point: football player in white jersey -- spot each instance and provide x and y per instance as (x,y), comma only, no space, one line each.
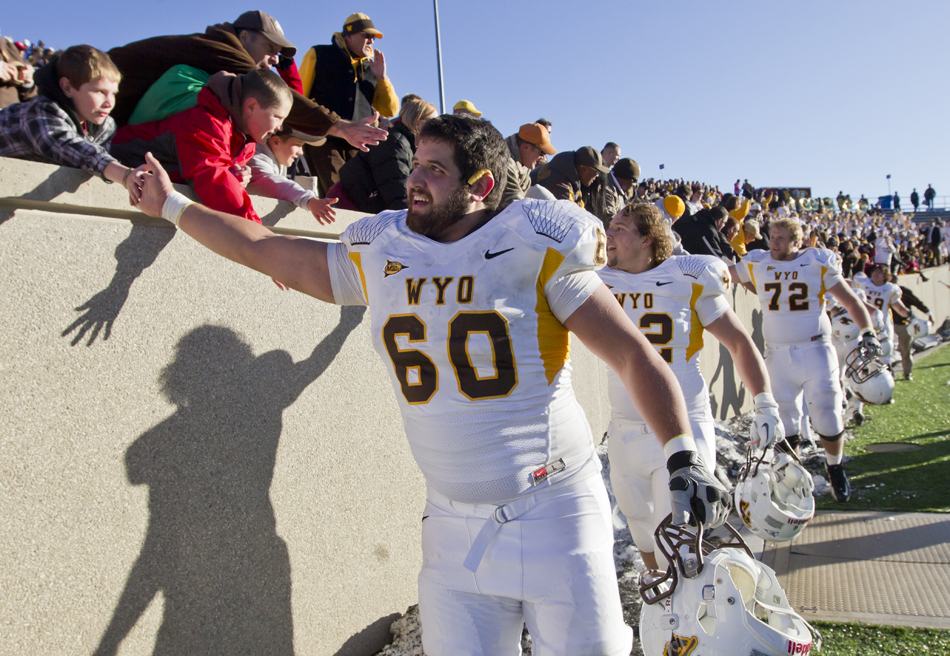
(470,310)
(885,296)
(672,299)
(792,284)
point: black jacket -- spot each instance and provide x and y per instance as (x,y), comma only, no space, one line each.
(376,180)
(337,86)
(700,236)
(559,176)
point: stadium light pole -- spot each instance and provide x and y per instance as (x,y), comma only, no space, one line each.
(438,52)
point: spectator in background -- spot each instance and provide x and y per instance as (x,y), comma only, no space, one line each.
(700,234)
(929,196)
(547,124)
(16,75)
(905,340)
(211,144)
(349,78)
(932,238)
(624,176)
(466,108)
(884,249)
(914,198)
(255,40)
(527,148)
(610,153)
(376,180)
(269,174)
(748,191)
(569,172)
(68,123)
(897,201)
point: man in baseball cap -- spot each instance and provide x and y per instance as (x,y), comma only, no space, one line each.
(349,77)
(466,108)
(258,24)
(569,171)
(530,145)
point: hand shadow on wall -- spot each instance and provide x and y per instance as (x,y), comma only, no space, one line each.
(63,180)
(211,546)
(135,254)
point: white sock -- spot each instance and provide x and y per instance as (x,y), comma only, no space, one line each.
(834,460)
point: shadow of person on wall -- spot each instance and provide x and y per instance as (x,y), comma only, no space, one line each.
(211,546)
(733,394)
(133,255)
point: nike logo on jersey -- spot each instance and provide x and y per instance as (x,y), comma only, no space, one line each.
(489,255)
(805,264)
(660,284)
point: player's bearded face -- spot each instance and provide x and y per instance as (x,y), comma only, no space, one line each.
(432,218)
(437,197)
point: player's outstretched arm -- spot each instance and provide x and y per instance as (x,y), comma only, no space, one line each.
(602,326)
(298,263)
(766,426)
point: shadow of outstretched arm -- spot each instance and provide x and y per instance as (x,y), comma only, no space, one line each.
(135,254)
(307,371)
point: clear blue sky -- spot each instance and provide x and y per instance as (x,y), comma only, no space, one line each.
(831,95)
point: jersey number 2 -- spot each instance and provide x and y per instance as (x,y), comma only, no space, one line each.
(417,374)
(665,336)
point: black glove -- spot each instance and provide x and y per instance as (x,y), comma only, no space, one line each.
(697,496)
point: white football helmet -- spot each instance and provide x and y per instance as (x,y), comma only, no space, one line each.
(919,327)
(734,605)
(868,378)
(775,495)
(843,327)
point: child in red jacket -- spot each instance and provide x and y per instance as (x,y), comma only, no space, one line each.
(210,144)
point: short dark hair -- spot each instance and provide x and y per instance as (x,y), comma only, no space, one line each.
(476,145)
(81,64)
(610,144)
(545,122)
(266,87)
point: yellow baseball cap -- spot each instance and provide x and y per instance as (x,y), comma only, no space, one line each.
(467,106)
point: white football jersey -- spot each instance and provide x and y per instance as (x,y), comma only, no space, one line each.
(792,293)
(472,335)
(670,304)
(880,297)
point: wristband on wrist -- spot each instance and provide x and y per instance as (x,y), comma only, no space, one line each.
(764,400)
(174,206)
(125,178)
(679,443)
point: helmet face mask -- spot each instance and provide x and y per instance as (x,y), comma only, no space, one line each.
(775,495)
(733,605)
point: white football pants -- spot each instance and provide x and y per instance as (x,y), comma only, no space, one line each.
(810,369)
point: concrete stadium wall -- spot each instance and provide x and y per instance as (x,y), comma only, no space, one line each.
(192,461)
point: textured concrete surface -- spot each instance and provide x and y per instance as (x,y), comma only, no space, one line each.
(193,461)
(870,567)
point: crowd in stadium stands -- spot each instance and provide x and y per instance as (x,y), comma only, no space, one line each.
(346,126)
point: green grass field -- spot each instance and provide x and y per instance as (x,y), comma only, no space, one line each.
(913,481)
(865,640)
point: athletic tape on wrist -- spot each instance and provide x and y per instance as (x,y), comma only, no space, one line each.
(679,443)
(764,400)
(174,206)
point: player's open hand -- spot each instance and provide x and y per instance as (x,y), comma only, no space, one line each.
(322,209)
